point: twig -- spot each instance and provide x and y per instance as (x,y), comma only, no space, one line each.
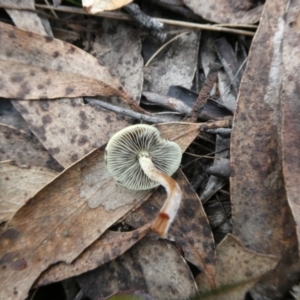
(145,21)
(204,92)
(122,16)
(126,112)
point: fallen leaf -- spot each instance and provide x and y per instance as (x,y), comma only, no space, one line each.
(27,20)
(69,129)
(190,229)
(119,47)
(290,110)
(24,149)
(261,216)
(18,184)
(57,224)
(226,11)
(41,67)
(176,67)
(237,270)
(95,6)
(153,266)
(109,246)
(181,133)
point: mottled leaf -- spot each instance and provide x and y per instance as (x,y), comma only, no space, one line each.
(40,67)
(261,216)
(153,266)
(176,67)
(69,129)
(18,184)
(24,149)
(109,246)
(291,111)
(237,270)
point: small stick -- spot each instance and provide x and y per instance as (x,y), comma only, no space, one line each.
(204,93)
(126,112)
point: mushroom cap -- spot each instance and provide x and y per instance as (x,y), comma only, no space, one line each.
(122,156)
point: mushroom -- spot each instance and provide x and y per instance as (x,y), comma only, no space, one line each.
(139,159)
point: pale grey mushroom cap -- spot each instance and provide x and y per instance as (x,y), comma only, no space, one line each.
(122,156)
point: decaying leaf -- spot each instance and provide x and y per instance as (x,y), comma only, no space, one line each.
(68,128)
(181,133)
(291,111)
(57,224)
(153,266)
(237,270)
(190,228)
(40,67)
(95,6)
(261,215)
(26,19)
(18,184)
(177,67)
(24,149)
(119,46)
(109,246)
(226,11)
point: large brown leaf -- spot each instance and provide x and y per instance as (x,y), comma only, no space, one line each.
(40,67)
(110,245)
(261,215)
(291,111)
(237,270)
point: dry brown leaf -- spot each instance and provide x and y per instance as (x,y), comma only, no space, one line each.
(181,133)
(118,46)
(176,67)
(191,229)
(226,11)
(39,67)
(69,129)
(18,184)
(24,149)
(27,20)
(153,266)
(237,270)
(110,245)
(95,6)
(291,111)
(57,224)
(261,215)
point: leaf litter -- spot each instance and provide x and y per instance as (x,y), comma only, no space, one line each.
(66,222)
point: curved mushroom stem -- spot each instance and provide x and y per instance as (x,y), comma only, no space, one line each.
(169,210)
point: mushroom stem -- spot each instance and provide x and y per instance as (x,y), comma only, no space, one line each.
(169,210)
